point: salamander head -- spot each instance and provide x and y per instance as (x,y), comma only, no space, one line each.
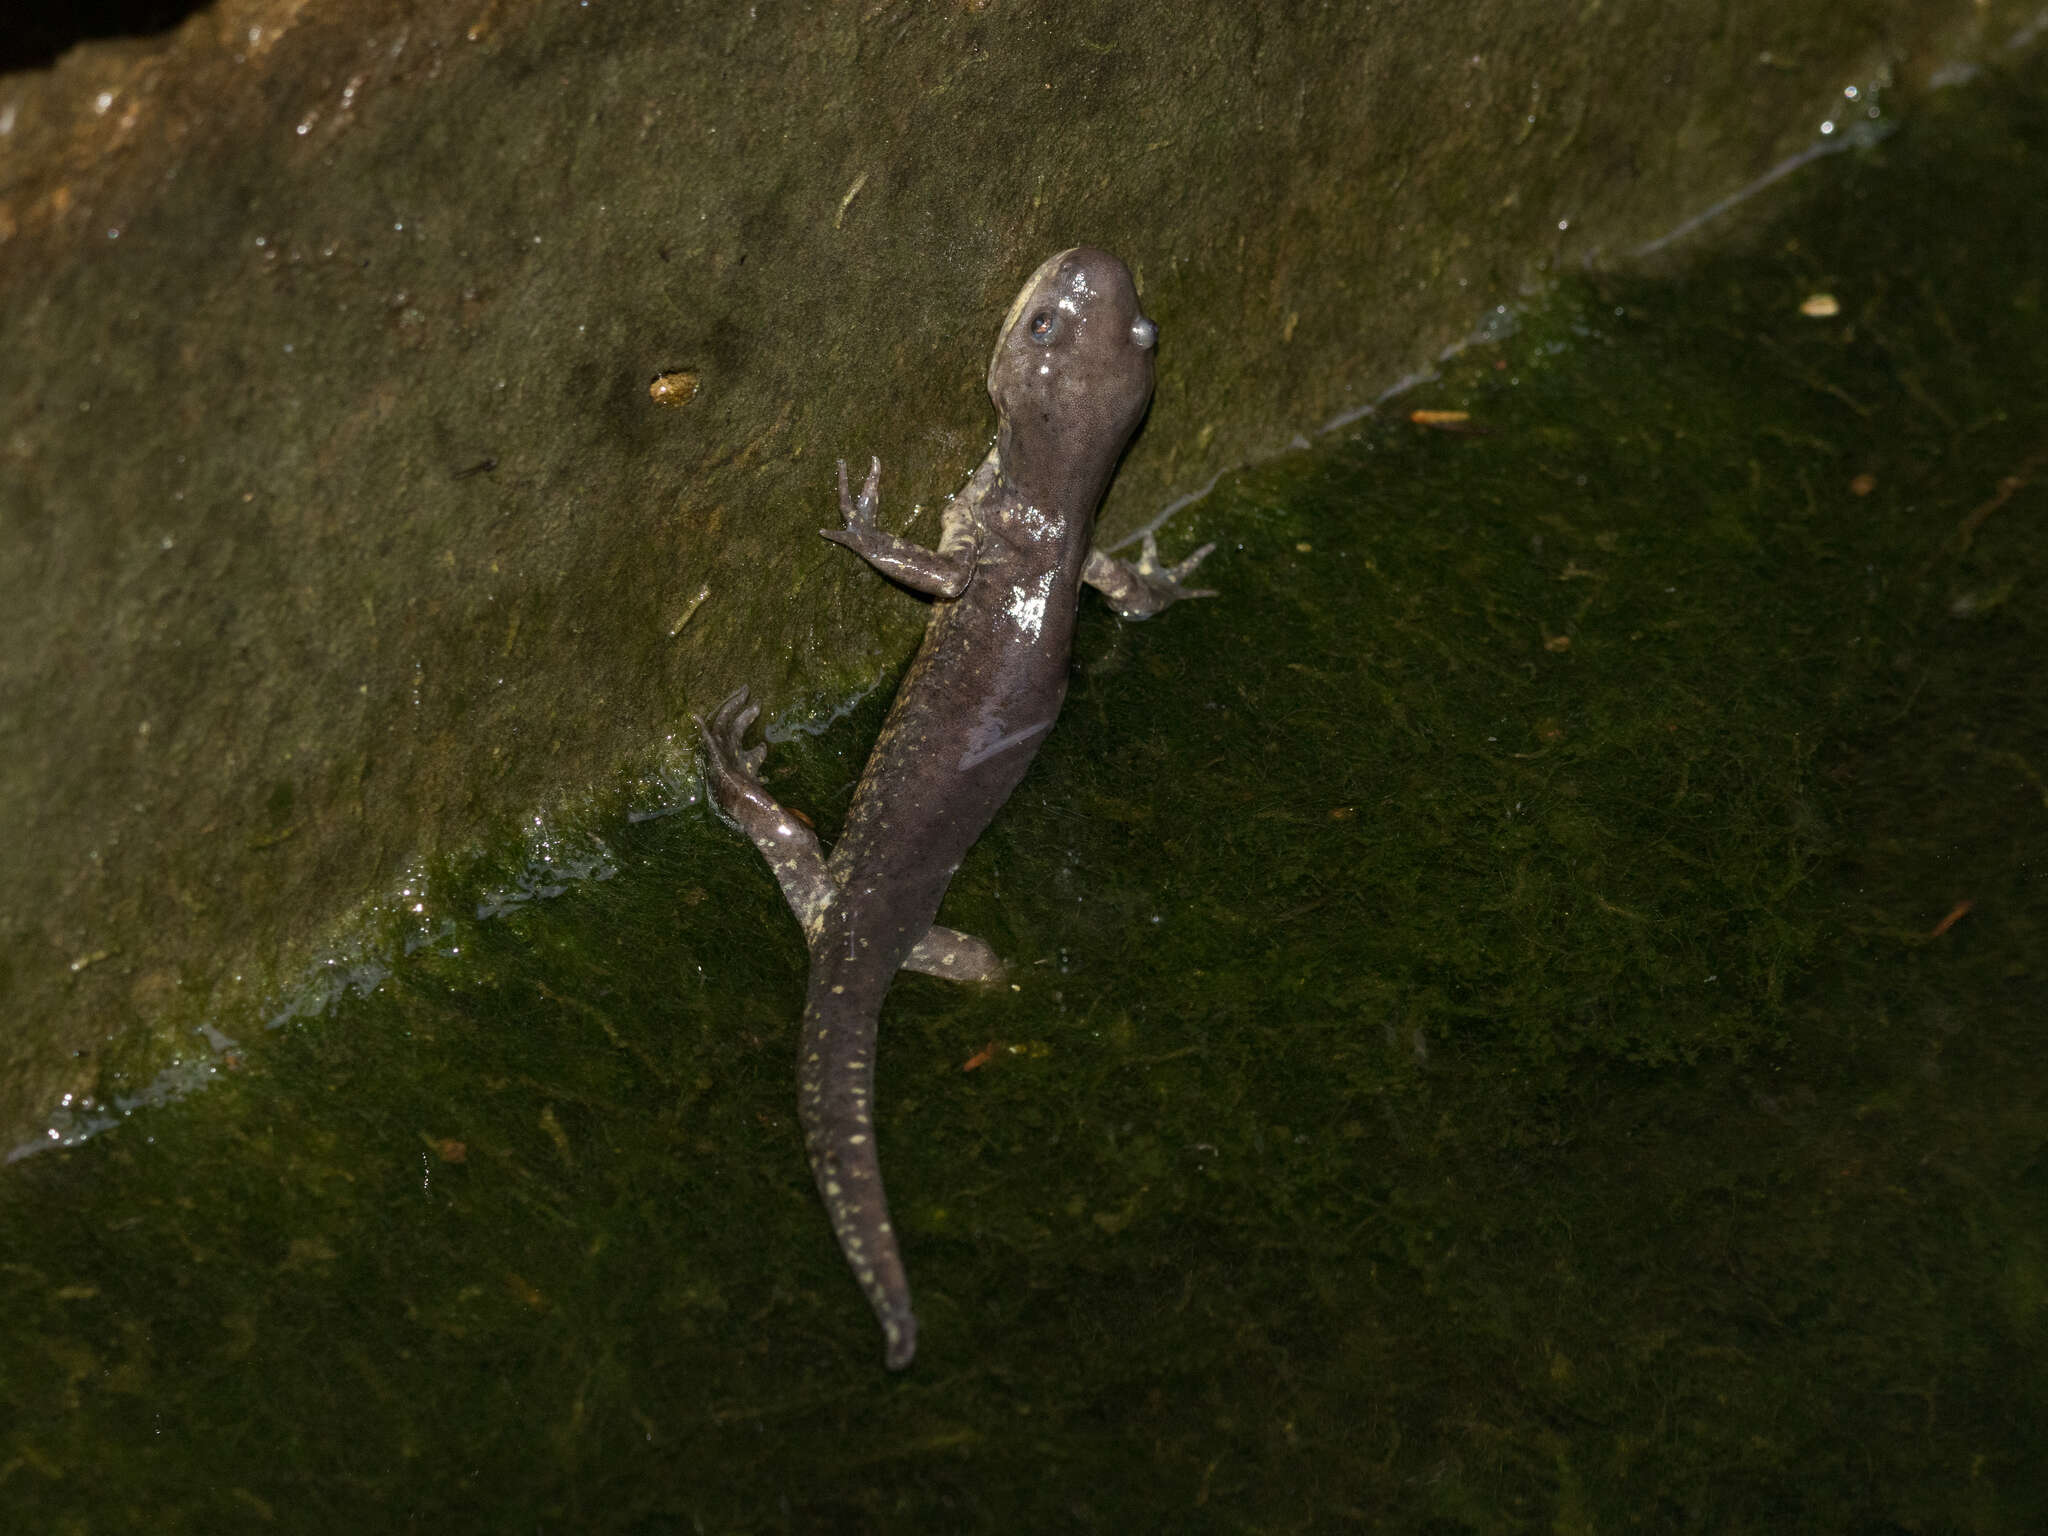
(1072,373)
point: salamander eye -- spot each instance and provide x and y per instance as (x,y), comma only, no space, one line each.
(1043,326)
(1144,332)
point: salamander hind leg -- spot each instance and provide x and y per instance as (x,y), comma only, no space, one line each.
(954,956)
(733,777)
(1137,590)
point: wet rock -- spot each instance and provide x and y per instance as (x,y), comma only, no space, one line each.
(344,512)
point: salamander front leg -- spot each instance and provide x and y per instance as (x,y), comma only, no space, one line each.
(936,573)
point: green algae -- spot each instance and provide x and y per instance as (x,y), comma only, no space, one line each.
(1481,1055)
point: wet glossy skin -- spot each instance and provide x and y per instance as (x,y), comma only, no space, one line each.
(1071,377)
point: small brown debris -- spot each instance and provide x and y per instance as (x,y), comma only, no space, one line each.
(2008,487)
(980,1058)
(1819,306)
(846,202)
(674,389)
(1460,422)
(1956,914)
(1863,484)
(690,610)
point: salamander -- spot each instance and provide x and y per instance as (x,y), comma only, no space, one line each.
(1071,378)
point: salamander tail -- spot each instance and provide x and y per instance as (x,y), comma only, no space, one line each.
(835,1085)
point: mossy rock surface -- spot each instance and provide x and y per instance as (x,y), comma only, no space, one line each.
(1527,1015)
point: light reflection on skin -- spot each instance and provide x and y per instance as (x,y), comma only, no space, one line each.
(1039,526)
(1027,605)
